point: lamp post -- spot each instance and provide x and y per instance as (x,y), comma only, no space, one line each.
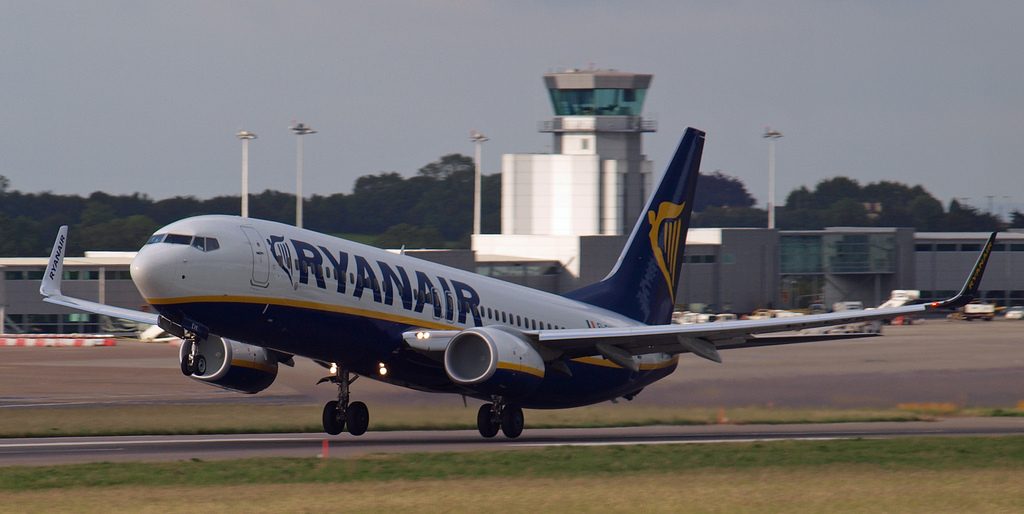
(245,136)
(478,139)
(300,129)
(771,136)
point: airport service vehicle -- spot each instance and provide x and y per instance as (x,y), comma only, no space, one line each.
(246,295)
(975,310)
(1014,312)
(847,306)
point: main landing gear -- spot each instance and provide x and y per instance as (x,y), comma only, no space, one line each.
(340,414)
(499,414)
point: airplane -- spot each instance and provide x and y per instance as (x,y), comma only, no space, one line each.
(246,295)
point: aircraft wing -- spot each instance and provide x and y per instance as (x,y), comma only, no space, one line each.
(50,288)
(618,343)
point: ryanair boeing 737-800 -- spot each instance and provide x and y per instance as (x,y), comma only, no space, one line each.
(246,295)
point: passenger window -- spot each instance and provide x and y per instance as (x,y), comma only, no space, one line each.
(534,324)
(503,317)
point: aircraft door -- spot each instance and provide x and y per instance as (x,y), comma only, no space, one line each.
(260,257)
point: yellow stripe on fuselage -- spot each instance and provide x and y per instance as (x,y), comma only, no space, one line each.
(325,307)
(521,368)
(598,361)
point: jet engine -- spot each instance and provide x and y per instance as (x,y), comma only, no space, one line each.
(494,360)
(232,365)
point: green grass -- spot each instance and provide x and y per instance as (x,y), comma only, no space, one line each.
(918,454)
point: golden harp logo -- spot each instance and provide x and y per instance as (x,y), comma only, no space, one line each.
(666,228)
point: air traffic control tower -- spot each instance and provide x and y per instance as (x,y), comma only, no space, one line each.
(597,178)
(567,206)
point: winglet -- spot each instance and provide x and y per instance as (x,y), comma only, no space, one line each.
(50,285)
(970,290)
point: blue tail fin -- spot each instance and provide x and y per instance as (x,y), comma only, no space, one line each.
(642,285)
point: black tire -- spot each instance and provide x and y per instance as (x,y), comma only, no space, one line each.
(512,421)
(200,365)
(333,423)
(485,421)
(358,418)
(185,368)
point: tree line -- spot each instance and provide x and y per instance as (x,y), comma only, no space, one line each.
(434,208)
(843,202)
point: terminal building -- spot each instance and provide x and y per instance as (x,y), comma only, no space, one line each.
(565,218)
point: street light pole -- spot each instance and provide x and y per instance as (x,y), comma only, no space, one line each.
(478,139)
(300,129)
(245,136)
(771,136)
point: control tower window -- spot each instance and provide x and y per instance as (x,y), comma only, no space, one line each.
(597,102)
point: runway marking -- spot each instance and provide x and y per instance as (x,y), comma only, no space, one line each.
(160,441)
(74,450)
(689,441)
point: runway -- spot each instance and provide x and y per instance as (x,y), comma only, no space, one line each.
(43,451)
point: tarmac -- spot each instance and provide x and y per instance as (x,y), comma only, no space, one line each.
(970,364)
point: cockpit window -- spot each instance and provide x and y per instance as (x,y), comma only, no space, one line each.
(178,239)
(206,244)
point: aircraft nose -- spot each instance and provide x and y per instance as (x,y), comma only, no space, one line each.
(154,272)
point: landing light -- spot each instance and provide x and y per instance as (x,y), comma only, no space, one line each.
(383,369)
(422,335)
(334,369)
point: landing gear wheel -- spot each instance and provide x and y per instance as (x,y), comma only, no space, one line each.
(512,421)
(358,418)
(186,369)
(200,365)
(334,424)
(485,421)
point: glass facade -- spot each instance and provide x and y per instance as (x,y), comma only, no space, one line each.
(597,102)
(837,253)
(860,253)
(801,254)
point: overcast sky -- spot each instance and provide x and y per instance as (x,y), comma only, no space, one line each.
(147,96)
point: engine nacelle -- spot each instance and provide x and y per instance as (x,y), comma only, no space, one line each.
(494,360)
(232,365)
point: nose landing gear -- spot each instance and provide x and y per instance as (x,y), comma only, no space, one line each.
(499,414)
(191,361)
(339,414)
